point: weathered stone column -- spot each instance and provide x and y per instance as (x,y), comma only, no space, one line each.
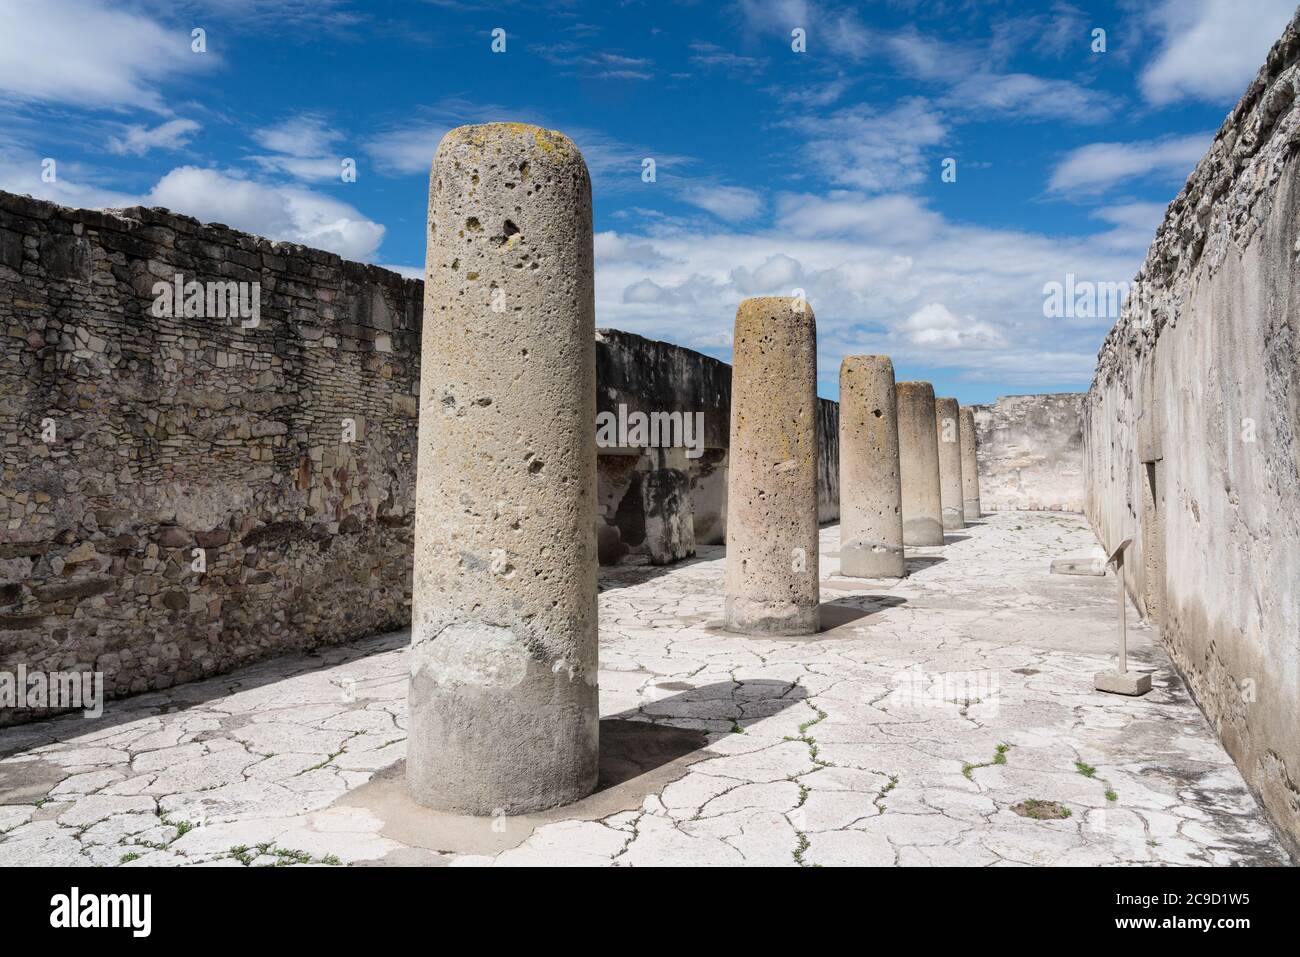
(948,433)
(871,513)
(772,575)
(918,464)
(970,470)
(503,709)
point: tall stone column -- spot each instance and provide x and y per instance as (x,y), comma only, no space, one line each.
(970,470)
(871,512)
(948,433)
(772,574)
(503,697)
(918,464)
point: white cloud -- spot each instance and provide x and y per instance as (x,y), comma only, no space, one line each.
(1098,166)
(836,31)
(884,274)
(137,140)
(291,214)
(860,147)
(1134,224)
(732,203)
(315,169)
(931,59)
(407,150)
(776,272)
(74,184)
(611,247)
(1031,97)
(304,135)
(1145,216)
(935,325)
(904,219)
(975,84)
(285,213)
(86,53)
(1211,49)
(303,147)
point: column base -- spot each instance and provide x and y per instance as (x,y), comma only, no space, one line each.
(749,617)
(953,519)
(971,510)
(922,531)
(495,731)
(863,560)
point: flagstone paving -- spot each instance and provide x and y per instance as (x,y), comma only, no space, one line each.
(913,730)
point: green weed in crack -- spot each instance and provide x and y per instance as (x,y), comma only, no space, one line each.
(1000,757)
(1088,771)
(799,850)
(284,856)
(240,853)
(636,832)
(878,800)
(808,739)
(317,767)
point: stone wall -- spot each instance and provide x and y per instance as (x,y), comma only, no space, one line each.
(639,489)
(130,440)
(1192,435)
(828,461)
(1030,452)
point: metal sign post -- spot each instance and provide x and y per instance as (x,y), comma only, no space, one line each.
(1121,680)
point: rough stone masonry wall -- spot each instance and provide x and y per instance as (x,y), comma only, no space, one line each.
(171,434)
(1030,452)
(1192,435)
(646,375)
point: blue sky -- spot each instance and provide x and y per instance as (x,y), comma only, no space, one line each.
(776,170)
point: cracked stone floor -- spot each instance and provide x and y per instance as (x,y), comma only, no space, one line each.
(906,733)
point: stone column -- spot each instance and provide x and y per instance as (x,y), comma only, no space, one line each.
(970,470)
(918,464)
(503,697)
(948,433)
(772,576)
(871,514)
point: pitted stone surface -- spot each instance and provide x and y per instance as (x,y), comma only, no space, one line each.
(503,661)
(918,464)
(878,741)
(970,470)
(947,417)
(871,507)
(771,580)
